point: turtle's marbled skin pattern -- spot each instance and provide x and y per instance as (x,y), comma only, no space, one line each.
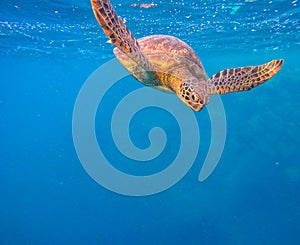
(241,79)
(113,26)
(193,94)
(120,36)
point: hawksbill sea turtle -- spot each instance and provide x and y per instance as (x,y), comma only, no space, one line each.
(169,64)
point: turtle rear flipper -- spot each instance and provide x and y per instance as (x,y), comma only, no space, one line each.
(243,78)
(120,36)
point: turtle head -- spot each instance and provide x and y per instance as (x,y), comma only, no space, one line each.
(193,93)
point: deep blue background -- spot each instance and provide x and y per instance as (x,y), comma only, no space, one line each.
(49,48)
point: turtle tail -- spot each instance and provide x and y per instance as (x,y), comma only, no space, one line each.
(243,78)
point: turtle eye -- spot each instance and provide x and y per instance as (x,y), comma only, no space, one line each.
(195,97)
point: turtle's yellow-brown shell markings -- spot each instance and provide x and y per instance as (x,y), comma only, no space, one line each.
(169,64)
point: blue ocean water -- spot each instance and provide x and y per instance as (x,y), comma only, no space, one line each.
(49,48)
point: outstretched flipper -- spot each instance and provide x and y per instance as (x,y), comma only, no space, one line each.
(243,78)
(120,36)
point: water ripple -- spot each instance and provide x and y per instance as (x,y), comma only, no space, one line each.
(68,28)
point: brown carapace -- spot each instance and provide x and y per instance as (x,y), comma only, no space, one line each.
(169,64)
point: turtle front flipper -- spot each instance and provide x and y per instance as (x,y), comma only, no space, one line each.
(113,27)
(120,36)
(193,94)
(243,78)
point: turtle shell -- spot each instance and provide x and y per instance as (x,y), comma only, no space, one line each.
(170,57)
